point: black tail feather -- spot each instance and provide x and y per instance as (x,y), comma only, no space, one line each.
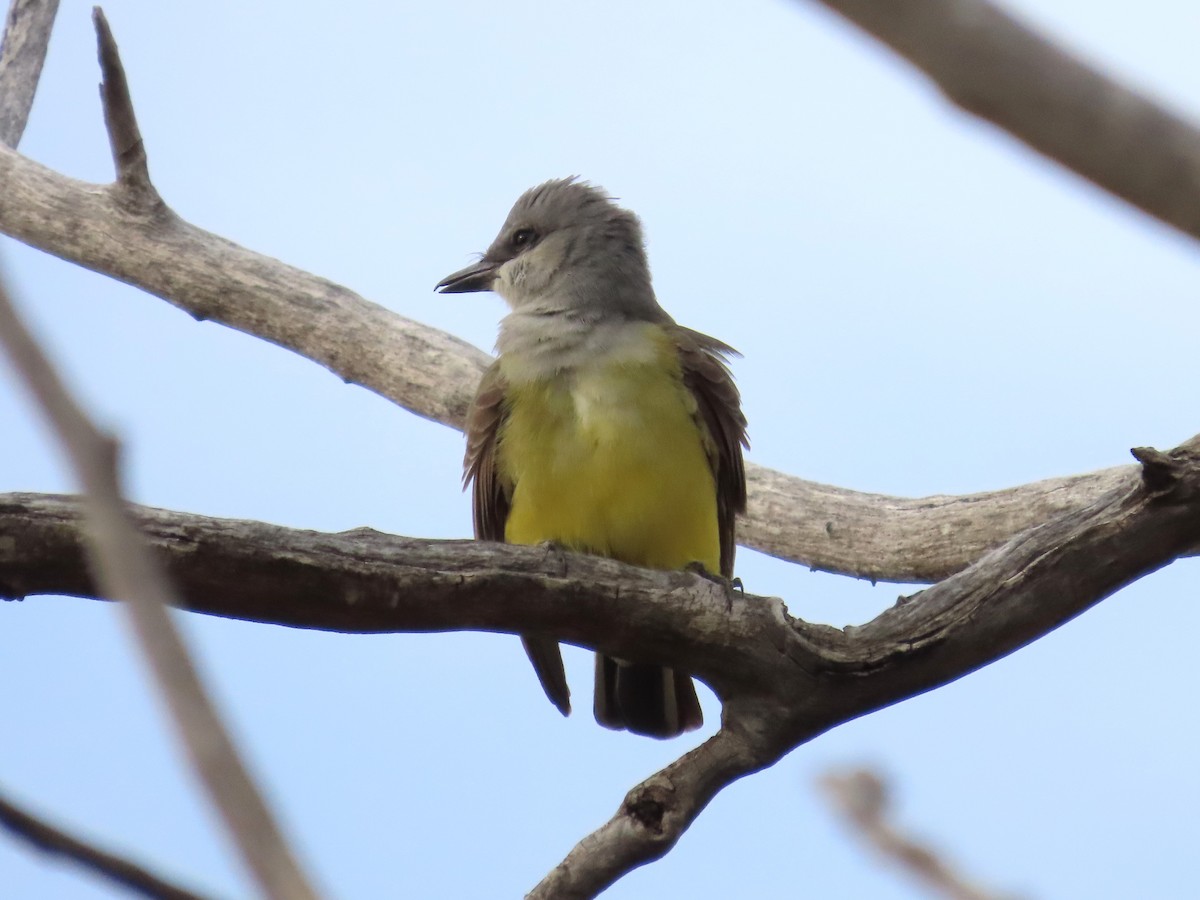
(650,700)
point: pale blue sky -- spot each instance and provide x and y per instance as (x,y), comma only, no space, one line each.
(924,307)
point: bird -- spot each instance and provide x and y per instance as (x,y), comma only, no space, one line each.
(602,426)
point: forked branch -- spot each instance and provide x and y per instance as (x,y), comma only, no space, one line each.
(782,681)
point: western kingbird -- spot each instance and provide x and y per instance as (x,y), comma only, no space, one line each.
(602,426)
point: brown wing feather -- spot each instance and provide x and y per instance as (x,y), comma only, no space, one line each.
(719,407)
(489,498)
(490,501)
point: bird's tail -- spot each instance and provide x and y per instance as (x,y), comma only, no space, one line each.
(650,700)
(548,664)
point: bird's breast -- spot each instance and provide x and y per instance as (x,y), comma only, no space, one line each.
(609,458)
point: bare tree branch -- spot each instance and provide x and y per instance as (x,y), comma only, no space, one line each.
(49,839)
(22,53)
(992,65)
(900,539)
(365,581)
(655,814)
(782,681)
(422,369)
(861,797)
(125,569)
(1036,581)
(124,136)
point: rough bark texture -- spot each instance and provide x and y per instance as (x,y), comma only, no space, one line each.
(782,681)
(366,581)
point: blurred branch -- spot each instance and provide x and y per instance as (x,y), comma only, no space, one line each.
(22,53)
(49,839)
(125,569)
(992,65)
(861,796)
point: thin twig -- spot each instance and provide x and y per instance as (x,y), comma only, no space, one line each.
(126,570)
(124,136)
(49,839)
(861,796)
(22,53)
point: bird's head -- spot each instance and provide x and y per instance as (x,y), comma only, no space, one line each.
(565,247)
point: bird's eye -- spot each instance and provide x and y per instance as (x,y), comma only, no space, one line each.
(523,237)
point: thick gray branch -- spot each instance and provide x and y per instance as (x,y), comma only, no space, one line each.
(365,581)
(917,540)
(22,53)
(362,580)
(210,278)
(992,65)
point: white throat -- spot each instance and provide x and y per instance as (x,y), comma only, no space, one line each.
(535,346)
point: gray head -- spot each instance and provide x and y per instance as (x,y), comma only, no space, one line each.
(566,247)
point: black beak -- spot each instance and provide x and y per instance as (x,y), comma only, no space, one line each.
(477,277)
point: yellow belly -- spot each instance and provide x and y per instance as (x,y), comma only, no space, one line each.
(611,461)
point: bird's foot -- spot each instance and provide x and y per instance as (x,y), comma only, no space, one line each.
(557,552)
(732,586)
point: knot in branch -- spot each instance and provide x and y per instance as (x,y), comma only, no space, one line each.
(1176,473)
(647,806)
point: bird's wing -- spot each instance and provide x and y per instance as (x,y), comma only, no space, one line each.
(490,502)
(719,411)
(489,498)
